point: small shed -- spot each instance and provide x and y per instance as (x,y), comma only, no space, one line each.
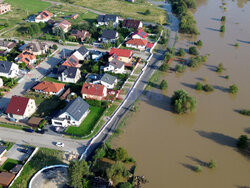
(6,178)
(16,169)
(74,16)
(35,122)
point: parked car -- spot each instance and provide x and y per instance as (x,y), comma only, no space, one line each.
(13,119)
(29,130)
(24,150)
(60,144)
(40,131)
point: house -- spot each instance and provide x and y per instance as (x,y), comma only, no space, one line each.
(63,25)
(7,45)
(132,24)
(43,16)
(81,53)
(73,114)
(108,81)
(21,108)
(8,69)
(124,55)
(72,61)
(94,91)
(6,178)
(1,82)
(115,66)
(2,151)
(106,19)
(5,7)
(109,36)
(68,74)
(137,44)
(96,55)
(74,16)
(80,35)
(36,47)
(140,34)
(49,88)
(26,57)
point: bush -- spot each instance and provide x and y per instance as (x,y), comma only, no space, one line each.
(199,43)
(181,52)
(227,77)
(180,69)
(245,112)
(198,168)
(223,18)
(182,102)
(242,142)
(212,164)
(208,88)
(198,86)
(164,67)
(164,85)
(188,24)
(193,50)
(236,44)
(147,12)
(233,89)
(220,68)
(125,185)
(196,61)
(168,56)
(222,28)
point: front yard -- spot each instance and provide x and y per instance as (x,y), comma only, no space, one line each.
(9,164)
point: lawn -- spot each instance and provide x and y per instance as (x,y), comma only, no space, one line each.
(8,145)
(88,124)
(12,126)
(9,164)
(111,109)
(44,157)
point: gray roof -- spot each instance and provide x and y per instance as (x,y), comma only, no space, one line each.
(107,18)
(70,72)
(76,108)
(116,63)
(7,44)
(5,66)
(2,149)
(109,34)
(107,78)
(35,46)
(82,50)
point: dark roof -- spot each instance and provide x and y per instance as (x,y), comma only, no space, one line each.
(34,46)
(76,108)
(109,34)
(16,168)
(82,50)
(2,149)
(17,105)
(70,72)
(7,44)
(5,66)
(107,78)
(106,18)
(131,24)
(116,63)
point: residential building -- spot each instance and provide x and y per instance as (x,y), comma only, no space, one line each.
(7,45)
(109,36)
(68,74)
(36,47)
(74,16)
(124,55)
(8,69)
(6,178)
(20,108)
(96,55)
(137,43)
(132,24)
(63,25)
(43,16)
(49,88)
(26,57)
(72,61)
(35,122)
(1,82)
(140,34)
(73,114)
(81,53)
(80,35)
(106,19)
(115,66)
(94,91)
(108,81)
(5,7)
(2,151)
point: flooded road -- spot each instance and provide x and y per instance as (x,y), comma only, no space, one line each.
(167,146)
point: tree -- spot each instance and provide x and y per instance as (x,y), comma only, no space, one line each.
(188,24)
(77,172)
(95,68)
(198,86)
(121,154)
(198,168)
(180,68)
(233,89)
(199,43)
(223,18)
(181,52)
(55,47)
(164,85)
(164,67)
(147,12)
(125,185)
(208,88)
(222,28)
(117,172)
(99,153)
(168,56)
(193,50)
(212,164)
(242,142)
(220,68)
(182,102)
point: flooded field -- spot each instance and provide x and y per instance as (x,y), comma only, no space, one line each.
(168,146)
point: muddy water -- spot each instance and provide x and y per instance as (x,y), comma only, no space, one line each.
(167,146)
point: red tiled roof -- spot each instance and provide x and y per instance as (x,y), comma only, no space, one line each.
(137,42)
(45,14)
(26,56)
(120,52)
(141,33)
(48,87)
(72,61)
(17,105)
(93,89)
(150,45)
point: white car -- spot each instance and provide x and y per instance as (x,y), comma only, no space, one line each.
(60,144)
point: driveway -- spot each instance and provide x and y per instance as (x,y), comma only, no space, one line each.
(16,152)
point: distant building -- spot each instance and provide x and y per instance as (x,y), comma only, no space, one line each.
(109,36)
(74,16)
(49,88)
(37,47)
(115,66)
(123,55)
(63,25)
(7,45)
(106,19)
(21,108)
(8,69)
(4,8)
(108,81)
(43,16)
(139,44)
(132,24)
(73,114)
(80,35)
(140,34)
(68,74)
(81,53)
(94,91)
(26,57)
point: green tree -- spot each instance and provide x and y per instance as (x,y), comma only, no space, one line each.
(223,18)
(233,89)
(147,12)
(222,28)
(208,88)
(164,85)
(117,172)
(193,50)
(99,153)
(121,154)
(181,52)
(188,24)
(95,68)
(180,68)
(212,164)
(198,86)
(182,102)
(125,185)
(220,68)
(198,168)
(199,43)
(164,67)
(242,142)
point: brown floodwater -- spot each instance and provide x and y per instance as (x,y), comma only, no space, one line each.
(167,146)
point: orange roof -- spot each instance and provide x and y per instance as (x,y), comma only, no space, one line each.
(26,56)
(45,14)
(72,61)
(120,52)
(6,178)
(48,87)
(93,89)
(138,42)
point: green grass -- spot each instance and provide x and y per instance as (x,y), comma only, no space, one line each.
(44,157)
(51,79)
(88,124)
(111,109)
(8,145)
(12,126)
(9,164)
